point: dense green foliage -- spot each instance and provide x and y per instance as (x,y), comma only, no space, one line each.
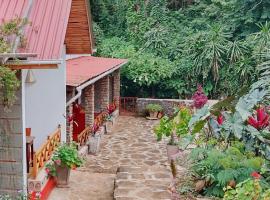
(174,45)
(8,79)
(175,126)
(250,189)
(218,167)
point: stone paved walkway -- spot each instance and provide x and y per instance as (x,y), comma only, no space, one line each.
(131,164)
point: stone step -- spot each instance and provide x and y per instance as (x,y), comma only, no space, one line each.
(137,183)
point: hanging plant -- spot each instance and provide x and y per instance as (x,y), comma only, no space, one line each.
(9,82)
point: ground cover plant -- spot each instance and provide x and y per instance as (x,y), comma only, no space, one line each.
(231,141)
(232,154)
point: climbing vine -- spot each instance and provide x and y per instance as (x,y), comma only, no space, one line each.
(10,36)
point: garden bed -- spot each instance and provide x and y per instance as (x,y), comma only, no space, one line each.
(225,153)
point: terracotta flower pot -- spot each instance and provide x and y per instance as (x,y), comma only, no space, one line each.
(153,114)
(171,151)
(62,175)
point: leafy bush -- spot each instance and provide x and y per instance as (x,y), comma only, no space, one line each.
(154,108)
(181,121)
(250,189)
(8,79)
(218,167)
(174,127)
(164,128)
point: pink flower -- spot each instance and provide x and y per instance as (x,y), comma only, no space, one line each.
(47,170)
(199,98)
(256,175)
(58,162)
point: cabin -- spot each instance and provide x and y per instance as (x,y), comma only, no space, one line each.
(63,88)
(92,83)
(93,90)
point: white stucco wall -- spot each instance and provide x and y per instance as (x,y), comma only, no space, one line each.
(45,102)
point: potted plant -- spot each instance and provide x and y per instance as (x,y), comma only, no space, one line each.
(94,141)
(153,110)
(66,157)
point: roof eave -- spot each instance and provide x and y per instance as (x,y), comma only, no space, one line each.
(98,77)
(34,64)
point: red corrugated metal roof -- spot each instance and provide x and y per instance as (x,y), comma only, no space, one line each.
(82,69)
(49,18)
(9,9)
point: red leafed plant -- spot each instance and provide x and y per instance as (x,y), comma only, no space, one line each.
(261,120)
(111,108)
(199,98)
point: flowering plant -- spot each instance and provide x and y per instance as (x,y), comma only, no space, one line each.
(65,155)
(199,98)
(220,119)
(261,120)
(111,108)
(252,188)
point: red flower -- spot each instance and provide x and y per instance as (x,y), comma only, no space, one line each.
(220,119)
(261,121)
(255,175)
(111,108)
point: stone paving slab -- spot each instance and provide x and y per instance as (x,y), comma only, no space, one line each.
(132,142)
(142,183)
(130,160)
(86,186)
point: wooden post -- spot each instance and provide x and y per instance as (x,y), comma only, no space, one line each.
(35,167)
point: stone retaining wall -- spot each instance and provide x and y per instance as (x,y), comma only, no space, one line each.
(167,104)
(11,148)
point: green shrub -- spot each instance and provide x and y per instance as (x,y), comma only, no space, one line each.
(154,108)
(218,167)
(250,189)
(164,128)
